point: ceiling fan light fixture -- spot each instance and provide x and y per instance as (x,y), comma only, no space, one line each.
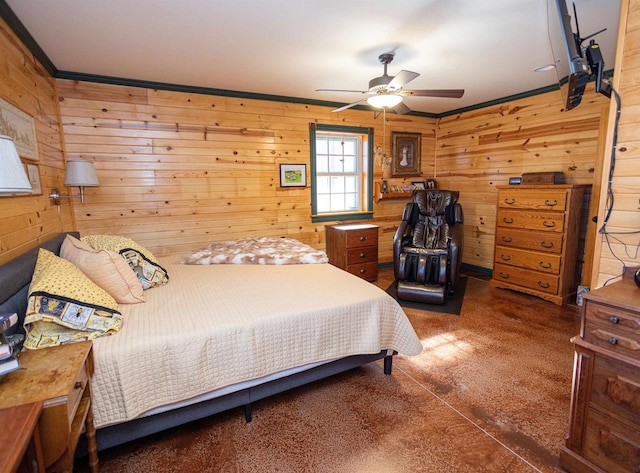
(384,100)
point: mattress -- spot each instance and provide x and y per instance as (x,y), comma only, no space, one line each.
(215,326)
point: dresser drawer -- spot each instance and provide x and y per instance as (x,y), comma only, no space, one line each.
(615,390)
(365,254)
(611,445)
(368,271)
(531,220)
(617,341)
(545,262)
(363,237)
(533,199)
(542,282)
(550,242)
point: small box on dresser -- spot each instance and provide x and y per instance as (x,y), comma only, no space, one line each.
(354,248)
(604,418)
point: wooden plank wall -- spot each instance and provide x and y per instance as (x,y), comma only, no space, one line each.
(178,170)
(24,83)
(480,149)
(620,248)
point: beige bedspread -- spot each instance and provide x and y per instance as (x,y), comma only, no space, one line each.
(213,326)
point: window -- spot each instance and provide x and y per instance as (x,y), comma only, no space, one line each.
(341,172)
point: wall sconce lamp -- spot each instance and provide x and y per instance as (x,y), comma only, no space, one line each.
(78,174)
(13,178)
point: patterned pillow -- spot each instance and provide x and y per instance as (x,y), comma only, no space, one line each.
(105,268)
(65,306)
(141,260)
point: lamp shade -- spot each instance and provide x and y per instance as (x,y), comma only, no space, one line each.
(13,178)
(80,174)
(384,100)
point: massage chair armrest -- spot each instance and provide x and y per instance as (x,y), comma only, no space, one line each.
(456,244)
(403,234)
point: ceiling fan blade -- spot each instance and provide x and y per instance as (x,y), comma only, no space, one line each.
(344,90)
(446,93)
(349,106)
(401,109)
(402,78)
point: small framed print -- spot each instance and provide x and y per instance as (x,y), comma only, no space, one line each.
(293,175)
(418,185)
(33,173)
(406,154)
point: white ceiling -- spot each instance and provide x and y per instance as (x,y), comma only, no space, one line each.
(292,47)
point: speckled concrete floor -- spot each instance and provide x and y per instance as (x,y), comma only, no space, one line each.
(490,393)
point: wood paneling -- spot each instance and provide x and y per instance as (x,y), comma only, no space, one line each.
(29,220)
(180,170)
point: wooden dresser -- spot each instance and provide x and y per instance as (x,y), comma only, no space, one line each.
(354,248)
(59,377)
(604,419)
(536,244)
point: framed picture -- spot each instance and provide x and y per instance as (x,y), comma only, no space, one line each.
(33,173)
(419,185)
(293,175)
(19,126)
(405,159)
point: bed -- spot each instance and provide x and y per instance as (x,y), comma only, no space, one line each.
(217,337)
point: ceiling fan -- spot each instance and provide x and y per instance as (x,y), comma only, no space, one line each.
(386,91)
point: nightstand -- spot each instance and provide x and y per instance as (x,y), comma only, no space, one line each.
(59,377)
(354,248)
(20,439)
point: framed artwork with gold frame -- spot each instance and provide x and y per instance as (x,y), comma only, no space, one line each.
(405,160)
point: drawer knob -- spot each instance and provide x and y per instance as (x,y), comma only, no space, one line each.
(505,257)
(362,271)
(544,285)
(544,244)
(509,201)
(551,204)
(613,340)
(362,255)
(544,265)
(362,238)
(615,320)
(504,275)
(507,239)
(507,220)
(78,385)
(549,225)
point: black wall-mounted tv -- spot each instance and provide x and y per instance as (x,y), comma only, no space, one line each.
(574,63)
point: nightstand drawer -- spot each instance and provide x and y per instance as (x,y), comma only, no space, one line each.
(615,340)
(362,255)
(368,271)
(76,393)
(614,318)
(545,262)
(364,237)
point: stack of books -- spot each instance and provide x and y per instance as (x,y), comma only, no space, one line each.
(9,345)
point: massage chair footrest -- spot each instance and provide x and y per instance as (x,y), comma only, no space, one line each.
(426,293)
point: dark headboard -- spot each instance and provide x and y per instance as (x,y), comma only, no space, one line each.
(15,277)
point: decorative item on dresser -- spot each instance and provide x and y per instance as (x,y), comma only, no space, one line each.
(537,239)
(59,377)
(604,418)
(354,248)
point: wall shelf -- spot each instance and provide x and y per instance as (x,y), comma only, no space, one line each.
(379,195)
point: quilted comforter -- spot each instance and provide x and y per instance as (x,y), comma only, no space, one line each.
(216,325)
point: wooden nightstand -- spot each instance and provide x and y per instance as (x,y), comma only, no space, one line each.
(354,248)
(20,439)
(59,377)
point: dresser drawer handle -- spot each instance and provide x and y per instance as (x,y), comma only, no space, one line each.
(549,225)
(614,319)
(362,271)
(362,255)
(613,340)
(544,265)
(504,275)
(363,238)
(551,204)
(544,244)
(507,220)
(507,239)
(505,257)
(544,285)
(509,201)
(78,385)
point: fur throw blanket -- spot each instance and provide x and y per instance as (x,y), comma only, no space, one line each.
(257,251)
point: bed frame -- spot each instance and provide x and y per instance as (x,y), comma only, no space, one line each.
(15,277)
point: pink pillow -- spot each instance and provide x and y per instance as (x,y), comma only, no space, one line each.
(105,268)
